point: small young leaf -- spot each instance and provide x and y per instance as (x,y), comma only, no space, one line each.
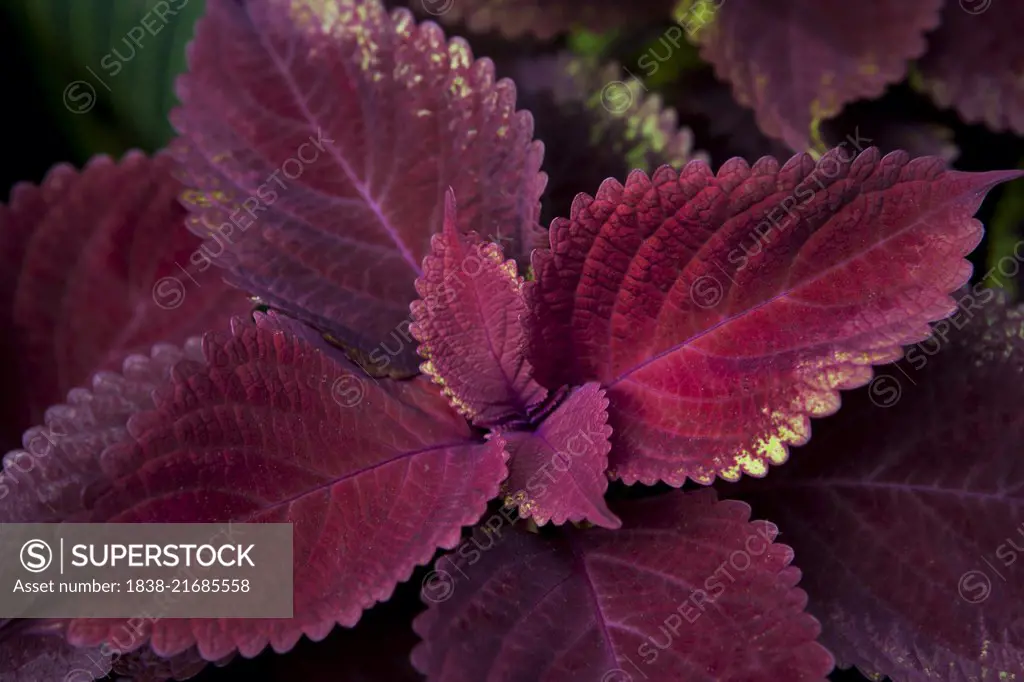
(556,473)
(907,509)
(601,605)
(321,137)
(468,322)
(721,312)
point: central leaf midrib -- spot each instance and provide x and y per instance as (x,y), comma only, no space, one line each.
(332,481)
(359,185)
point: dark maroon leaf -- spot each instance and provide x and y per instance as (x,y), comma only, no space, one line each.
(721,312)
(322,137)
(689,589)
(906,510)
(342,451)
(975,60)
(801,61)
(468,323)
(96,266)
(556,472)
(546,19)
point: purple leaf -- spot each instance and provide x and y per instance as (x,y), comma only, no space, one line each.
(974,63)
(906,510)
(603,606)
(556,473)
(91,273)
(721,312)
(321,139)
(801,61)
(467,321)
(269,428)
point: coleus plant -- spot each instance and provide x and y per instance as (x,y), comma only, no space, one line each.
(423,347)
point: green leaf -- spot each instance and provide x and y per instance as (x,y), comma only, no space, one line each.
(110,65)
(1005,234)
(585,43)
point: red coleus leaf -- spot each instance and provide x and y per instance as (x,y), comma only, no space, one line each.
(689,589)
(334,130)
(469,328)
(803,60)
(346,461)
(95,266)
(546,19)
(720,312)
(556,472)
(975,60)
(906,510)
